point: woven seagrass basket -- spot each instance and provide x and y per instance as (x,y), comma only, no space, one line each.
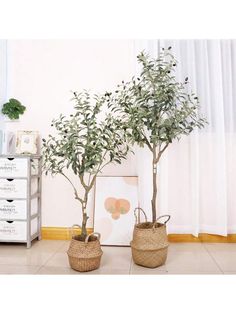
(150,244)
(85,256)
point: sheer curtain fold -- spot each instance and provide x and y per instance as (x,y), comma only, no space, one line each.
(197,175)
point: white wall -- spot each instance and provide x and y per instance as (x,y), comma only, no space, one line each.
(3,75)
(41,75)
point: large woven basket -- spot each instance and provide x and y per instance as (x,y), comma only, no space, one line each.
(85,256)
(150,244)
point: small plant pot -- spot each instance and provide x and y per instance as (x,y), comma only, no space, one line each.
(150,243)
(85,255)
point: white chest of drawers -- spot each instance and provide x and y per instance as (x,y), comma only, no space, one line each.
(20,198)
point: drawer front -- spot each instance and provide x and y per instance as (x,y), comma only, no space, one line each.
(14,230)
(13,209)
(13,167)
(13,188)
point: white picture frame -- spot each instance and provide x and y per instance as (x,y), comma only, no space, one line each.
(27,142)
(115,201)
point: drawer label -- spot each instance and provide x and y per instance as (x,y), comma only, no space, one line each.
(7,230)
(8,167)
(8,208)
(8,188)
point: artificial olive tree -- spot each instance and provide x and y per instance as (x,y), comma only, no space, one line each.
(156,109)
(85,142)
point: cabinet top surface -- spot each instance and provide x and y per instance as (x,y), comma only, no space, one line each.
(20,156)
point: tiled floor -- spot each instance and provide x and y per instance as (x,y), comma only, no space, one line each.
(49,257)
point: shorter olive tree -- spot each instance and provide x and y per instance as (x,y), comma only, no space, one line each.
(85,142)
(156,109)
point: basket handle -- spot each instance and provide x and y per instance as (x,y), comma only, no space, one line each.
(137,218)
(72,229)
(165,222)
(94,233)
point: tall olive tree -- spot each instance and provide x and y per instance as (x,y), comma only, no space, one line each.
(156,109)
(84,142)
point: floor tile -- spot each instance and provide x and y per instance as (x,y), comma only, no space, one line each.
(116,258)
(186,247)
(64,247)
(59,259)
(50,257)
(37,255)
(224,255)
(25,258)
(194,272)
(190,258)
(220,247)
(49,270)
(48,245)
(16,269)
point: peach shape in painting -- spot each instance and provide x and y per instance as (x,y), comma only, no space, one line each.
(117,207)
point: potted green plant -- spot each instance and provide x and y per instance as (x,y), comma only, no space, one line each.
(155,109)
(85,143)
(13,109)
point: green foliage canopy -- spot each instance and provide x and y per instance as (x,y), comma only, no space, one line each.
(85,142)
(13,109)
(155,106)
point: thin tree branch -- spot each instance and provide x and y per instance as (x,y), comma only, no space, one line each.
(98,170)
(147,143)
(81,177)
(161,152)
(75,191)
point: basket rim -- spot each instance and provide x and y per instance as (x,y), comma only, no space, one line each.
(140,226)
(85,258)
(148,250)
(83,242)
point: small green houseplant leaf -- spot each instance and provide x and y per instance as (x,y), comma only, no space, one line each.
(85,142)
(156,109)
(13,109)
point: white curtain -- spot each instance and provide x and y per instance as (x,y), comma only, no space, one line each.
(197,176)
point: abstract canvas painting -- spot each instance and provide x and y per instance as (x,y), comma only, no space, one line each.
(115,201)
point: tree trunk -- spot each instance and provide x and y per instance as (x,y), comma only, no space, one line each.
(154,192)
(84,229)
(85,217)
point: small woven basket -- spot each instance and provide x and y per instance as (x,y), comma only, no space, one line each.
(85,256)
(150,243)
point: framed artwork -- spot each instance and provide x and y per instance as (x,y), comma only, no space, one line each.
(26,142)
(115,201)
